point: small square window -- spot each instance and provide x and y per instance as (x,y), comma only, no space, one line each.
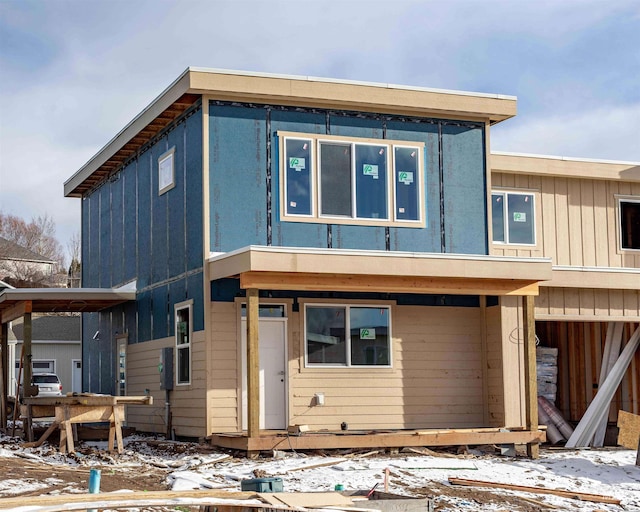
(630,224)
(166,172)
(513,218)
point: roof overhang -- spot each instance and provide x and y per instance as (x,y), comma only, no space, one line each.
(301,91)
(284,268)
(15,303)
(560,166)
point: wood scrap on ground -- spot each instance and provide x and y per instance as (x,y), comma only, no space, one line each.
(597,498)
(629,425)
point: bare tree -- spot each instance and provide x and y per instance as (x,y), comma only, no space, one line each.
(75,267)
(38,236)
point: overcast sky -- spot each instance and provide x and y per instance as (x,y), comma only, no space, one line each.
(75,72)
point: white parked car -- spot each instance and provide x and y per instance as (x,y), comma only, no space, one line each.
(48,384)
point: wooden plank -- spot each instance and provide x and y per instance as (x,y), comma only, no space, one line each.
(629,434)
(16,311)
(131,498)
(396,284)
(603,239)
(597,498)
(588,231)
(380,440)
(253,364)
(530,374)
(548,212)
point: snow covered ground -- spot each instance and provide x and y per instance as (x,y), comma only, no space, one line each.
(607,472)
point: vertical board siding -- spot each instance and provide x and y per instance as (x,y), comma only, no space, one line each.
(104,244)
(464,190)
(237,180)
(580,347)
(159,218)
(117,231)
(588,304)
(435,382)
(176,215)
(578,220)
(193,192)
(144,220)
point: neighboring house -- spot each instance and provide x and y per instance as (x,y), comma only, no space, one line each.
(585,216)
(21,265)
(313,252)
(57,348)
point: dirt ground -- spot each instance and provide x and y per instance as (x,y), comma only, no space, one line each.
(73,476)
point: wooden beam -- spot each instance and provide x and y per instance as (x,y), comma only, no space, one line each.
(28,356)
(253,364)
(16,311)
(311,441)
(389,284)
(530,372)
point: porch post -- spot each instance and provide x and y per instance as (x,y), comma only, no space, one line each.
(27,364)
(530,373)
(253,364)
(4,364)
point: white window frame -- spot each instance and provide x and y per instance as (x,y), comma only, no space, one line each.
(166,171)
(505,220)
(347,364)
(183,346)
(620,200)
(315,215)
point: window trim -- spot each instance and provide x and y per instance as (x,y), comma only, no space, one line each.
(505,193)
(176,308)
(170,154)
(619,200)
(315,177)
(348,365)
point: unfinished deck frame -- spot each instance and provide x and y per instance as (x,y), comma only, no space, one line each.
(343,440)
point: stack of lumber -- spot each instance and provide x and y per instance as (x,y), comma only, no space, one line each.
(547,365)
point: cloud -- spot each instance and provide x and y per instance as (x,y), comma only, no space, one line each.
(76,72)
(602,133)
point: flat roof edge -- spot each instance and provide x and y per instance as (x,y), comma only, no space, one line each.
(564,158)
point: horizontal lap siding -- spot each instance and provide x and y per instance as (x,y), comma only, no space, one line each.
(187,402)
(222,397)
(576,220)
(495,376)
(436,379)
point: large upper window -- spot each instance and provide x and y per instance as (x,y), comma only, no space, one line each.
(513,216)
(629,223)
(184,334)
(339,335)
(342,180)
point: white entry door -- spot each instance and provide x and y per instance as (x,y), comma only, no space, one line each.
(273,375)
(76,375)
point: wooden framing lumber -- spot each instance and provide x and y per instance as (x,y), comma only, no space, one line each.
(585,430)
(612,346)
(132,499)
(530,372)
(583,496)
(401,439)
(253,364)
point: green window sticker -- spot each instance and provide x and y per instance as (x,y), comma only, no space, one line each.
(367,333)
(297,163)
(405,177)
(519,217)
(370,170)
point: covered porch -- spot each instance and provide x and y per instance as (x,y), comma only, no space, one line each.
(267,269)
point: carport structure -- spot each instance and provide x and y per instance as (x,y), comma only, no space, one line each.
(26,301)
